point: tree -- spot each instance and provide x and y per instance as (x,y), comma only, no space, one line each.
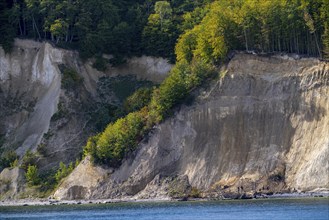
(186,46)
(32,176)
(7,32)
(310,24)
(33,7)
(161,32)
(7,159)
(138,100)
(324,10)
(163,10)
(63,171)
(59,29)
(117,140)
(29,159)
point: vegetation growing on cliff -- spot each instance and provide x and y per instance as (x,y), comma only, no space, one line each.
(206,31)
(32,176)
(8,159)
(45,182)
(121,137)
(263,26)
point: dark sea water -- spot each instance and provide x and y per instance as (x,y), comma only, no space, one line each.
(317,208)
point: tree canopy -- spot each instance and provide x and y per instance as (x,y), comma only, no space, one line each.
(151,27)
(121,28)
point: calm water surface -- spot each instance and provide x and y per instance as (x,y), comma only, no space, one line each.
(246,209)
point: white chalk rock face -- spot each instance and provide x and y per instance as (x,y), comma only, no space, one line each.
(262,126)
(32,88)
(30,74)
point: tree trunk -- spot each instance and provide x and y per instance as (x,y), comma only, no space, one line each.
(317,45)
(24,28)
(245,38)
(20,28)
(36,27)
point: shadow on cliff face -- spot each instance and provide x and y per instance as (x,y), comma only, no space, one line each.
(244,128)
(236,135)
(312,88)
(15,110)
(313,112)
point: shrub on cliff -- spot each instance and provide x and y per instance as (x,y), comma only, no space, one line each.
(183,78)
(70,78)
(29,159)
(123,136)
(63,171)
(7,159)
(118,138)
(32,176)
(140,98)
(100,64)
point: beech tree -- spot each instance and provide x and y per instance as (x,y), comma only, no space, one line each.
(162,11)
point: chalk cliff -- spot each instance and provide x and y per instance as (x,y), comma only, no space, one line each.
(52,113)
(262,127)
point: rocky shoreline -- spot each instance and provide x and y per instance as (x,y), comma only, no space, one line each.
(45,202)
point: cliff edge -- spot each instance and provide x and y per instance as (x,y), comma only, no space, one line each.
(262,127)
(51,102)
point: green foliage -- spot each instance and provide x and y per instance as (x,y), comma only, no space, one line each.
(326,42)
(118,139)
(193,18)
(58,28)
(260,25)
(61,112)
(47,135)
(77,162)
(48,181)
(138,99)
(183,78)
(2,140)
(324,16)
(7,30)
(186,46)
(117,60)
(100,64)
(28,160)
(161,32)
(163,10)
(14,163)
(63,171)
(41,149)
(91,146)
(104,115)
(209,32)
(32,176)
(125,28)
(122,86)
(123,136)
(171,91)
(195,193)
(70,78)
(8,159)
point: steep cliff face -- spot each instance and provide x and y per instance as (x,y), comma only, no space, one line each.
(29,90)
(51,101)
(263,126)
